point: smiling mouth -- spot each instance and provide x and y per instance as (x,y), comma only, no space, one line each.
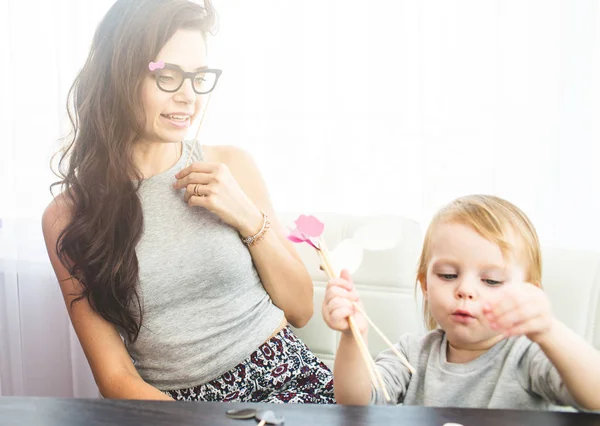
(180,118)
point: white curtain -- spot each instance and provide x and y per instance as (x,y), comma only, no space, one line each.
(347,106)
(42,46)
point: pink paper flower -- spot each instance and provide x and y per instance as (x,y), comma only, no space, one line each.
(298,237)
(307,228)
(310,225)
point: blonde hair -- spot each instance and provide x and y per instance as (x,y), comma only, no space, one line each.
(494,219)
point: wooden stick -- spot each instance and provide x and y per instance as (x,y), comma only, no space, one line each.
(374,373)
(364,350)
(385,339)
(262,423)
(364,353)
(187,163)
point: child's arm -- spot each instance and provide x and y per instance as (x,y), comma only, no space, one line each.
(352,384)
(577,362)
(524,309)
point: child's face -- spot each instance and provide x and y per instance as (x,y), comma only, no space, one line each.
(464,272)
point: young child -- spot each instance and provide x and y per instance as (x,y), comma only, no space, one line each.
(493,341)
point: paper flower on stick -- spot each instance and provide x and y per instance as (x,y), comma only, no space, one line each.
(308,230)
(349,253)
(385,234)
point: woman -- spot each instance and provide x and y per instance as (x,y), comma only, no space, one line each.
(176,274)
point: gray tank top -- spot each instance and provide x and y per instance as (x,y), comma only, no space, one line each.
(205,309)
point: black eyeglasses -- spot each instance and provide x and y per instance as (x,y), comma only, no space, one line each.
(171,77)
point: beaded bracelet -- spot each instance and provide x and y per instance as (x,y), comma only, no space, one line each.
(250,241)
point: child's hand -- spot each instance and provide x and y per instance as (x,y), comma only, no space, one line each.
(522,309)
(338,305)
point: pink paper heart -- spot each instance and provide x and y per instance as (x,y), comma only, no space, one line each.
(156,65)
(310,225)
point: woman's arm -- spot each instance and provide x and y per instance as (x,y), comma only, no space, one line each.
(104,349)
(281,269)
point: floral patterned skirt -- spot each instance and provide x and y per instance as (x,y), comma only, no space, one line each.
(281,370)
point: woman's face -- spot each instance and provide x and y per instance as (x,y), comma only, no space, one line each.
(170,114)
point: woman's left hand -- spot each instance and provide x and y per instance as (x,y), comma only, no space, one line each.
(523,309)
(212,186)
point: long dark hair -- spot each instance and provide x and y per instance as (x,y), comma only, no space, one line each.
(96,169)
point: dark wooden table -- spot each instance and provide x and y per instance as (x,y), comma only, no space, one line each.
(88,412)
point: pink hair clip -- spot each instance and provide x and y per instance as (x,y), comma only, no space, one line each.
(156,65)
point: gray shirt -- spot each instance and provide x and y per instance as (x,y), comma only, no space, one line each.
(205,308)
(513,374)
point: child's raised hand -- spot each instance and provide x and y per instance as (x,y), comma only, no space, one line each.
(522,309)
(338,304)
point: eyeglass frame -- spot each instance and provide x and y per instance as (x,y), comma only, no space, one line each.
(186,75)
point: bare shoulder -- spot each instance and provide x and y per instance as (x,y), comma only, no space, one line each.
(229,155)
(246,172)
(240,163)
(56,216)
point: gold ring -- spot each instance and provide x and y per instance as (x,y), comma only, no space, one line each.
(196,193)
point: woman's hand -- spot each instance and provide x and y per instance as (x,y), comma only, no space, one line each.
(338,305)
(212,186)
(523,309)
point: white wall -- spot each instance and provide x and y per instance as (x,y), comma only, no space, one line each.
(401,106)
